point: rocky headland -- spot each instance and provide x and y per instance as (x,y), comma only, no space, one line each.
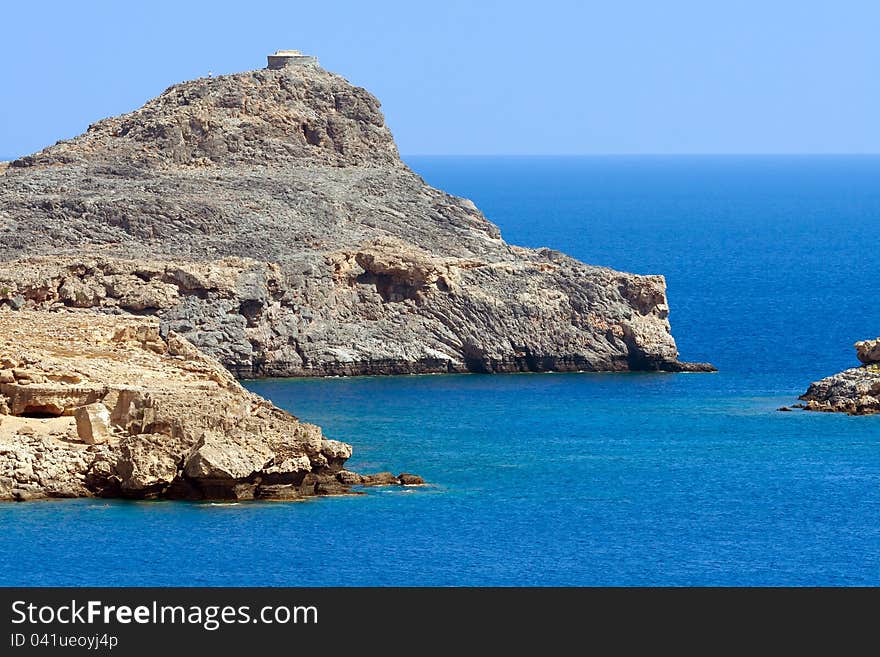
(855,391)
(249,225)
(267,217)
(103,405)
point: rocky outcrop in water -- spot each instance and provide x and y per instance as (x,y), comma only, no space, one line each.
(266,217)
(105,405)
(868,351)
(855,391)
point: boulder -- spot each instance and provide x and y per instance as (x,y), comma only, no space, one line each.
(146,465)
(868,351)
(349,478)
(335,449)
(218,458)
(93,423)
(380,479)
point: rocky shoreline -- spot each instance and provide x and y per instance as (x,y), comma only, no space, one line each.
(104,406)
(254,225)
(239,293)
(855,391)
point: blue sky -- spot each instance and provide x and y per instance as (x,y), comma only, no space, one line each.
(551,77)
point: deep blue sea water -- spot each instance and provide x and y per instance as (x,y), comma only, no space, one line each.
(558,479)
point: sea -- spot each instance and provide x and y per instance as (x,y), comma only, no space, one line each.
(574,479)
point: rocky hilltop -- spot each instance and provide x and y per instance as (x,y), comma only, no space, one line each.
(104,405)
(267,217)
(855,391)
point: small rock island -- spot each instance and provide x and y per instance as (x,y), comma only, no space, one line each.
(855,391)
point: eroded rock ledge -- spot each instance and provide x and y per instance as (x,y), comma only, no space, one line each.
(101,405)
(257,322)
(855,391)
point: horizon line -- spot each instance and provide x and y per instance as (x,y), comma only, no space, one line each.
(679,154)
(5,158)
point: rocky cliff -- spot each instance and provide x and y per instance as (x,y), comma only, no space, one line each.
(104,405)
(855,391)
(267,217)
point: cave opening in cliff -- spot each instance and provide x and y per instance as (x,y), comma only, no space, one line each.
(41,412)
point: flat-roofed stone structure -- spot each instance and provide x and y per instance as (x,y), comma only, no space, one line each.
(282,58)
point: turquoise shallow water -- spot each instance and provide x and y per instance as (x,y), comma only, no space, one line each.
(575,478)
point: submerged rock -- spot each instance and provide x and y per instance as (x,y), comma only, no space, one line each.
(267,217)
(121,411)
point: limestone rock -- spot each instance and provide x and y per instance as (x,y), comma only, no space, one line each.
(379,479)
(93,423)
(215,457)
(868,351)
(349,478)
(335,452)
(50,398)
(123,411)
(290,471)
(855,391)
(147,464)
(407,479)
(267,218)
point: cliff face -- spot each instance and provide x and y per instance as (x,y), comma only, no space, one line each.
(103,405)
(267,217)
